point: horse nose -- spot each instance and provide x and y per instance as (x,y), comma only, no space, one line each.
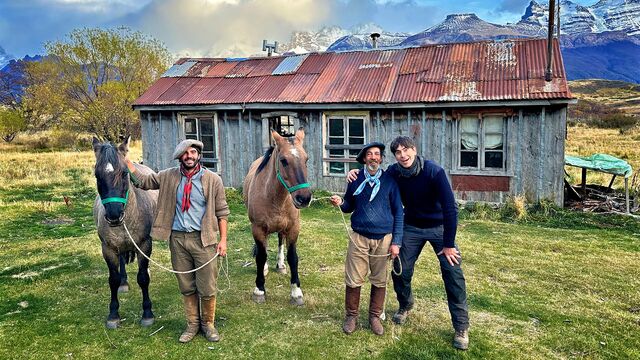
(302,199)
(114,213)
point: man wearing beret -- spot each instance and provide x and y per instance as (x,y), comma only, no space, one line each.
(376,221)
(430,216)
(192,210)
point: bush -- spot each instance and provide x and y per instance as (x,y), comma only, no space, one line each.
(515,208)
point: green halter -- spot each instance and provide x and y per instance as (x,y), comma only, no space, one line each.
(289,189)
(117,199)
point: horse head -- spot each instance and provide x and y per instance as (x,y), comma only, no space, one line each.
(112,179)
(291,167)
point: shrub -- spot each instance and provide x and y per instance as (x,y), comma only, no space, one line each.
(515,208)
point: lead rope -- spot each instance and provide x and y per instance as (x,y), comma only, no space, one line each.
(221,267)
(393,268)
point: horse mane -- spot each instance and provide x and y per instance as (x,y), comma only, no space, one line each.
(109,155)
(265,159)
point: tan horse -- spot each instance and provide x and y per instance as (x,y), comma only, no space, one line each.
(274,190)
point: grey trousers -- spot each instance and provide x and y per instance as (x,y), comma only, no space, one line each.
(187,253)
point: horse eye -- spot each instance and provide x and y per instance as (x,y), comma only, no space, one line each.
(284,162)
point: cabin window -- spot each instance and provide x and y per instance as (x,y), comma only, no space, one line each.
(203,129)
(481,142)
(345,136)
(283,124)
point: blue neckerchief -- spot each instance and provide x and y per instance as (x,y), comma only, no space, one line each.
(372,180)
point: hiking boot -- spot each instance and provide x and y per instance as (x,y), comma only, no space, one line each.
(376,302)
(208,317)
(461,339)
(401,315)
(351,305)
(193,318)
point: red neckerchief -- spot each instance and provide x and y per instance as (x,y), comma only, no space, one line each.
(186,196)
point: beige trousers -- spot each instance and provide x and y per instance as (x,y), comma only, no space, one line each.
(187,253)
(359,263)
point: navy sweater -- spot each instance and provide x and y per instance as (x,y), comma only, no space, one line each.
(383,215)
(428,200)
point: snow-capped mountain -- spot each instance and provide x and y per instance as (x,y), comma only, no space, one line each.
(335,38)
(4,58)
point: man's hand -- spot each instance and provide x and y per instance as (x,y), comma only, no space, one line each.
(394,250)
(451,254)
(336,200)
(352,175)
(222,247)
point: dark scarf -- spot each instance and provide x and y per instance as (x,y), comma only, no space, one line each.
(186,196)
(414,169)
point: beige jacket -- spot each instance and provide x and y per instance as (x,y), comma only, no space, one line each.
(167,181)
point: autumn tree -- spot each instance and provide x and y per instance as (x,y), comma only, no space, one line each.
(89,80)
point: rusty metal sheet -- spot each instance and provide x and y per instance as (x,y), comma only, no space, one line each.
(245,90)
(244,68)
(374,77)
(198,92)
(315,63)
(176,91)
(221,69)
(200,69)
(265,66)
(298,88)
(154,92)
(270,90)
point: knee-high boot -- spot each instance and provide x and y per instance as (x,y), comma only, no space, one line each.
(351,305)
(376,303)
(193,317)
(208,317)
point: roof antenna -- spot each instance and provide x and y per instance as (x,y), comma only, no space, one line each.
(271,48)
(374,39)
(548,74)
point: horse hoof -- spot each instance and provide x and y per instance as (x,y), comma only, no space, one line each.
(147,322)
(281,270)
(297,301)
(258,299)
(113,324)
(123,288)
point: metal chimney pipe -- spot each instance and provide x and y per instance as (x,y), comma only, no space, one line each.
(552,15)
(374,40)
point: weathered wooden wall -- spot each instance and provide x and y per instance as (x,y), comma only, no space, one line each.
(534,146)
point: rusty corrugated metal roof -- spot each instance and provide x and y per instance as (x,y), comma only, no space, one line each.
(478,71)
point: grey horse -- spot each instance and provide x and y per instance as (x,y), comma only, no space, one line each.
(119,204)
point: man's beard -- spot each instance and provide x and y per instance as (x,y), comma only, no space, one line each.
(195,163)
(373,166)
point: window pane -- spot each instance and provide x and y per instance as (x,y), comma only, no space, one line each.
(356,127)
(354,153)
(336,168)
(355,166)
(493,159)
(209,165)
(469,133)
(356,140)
(208,143)
(336,128)
(336,153)
(336,141)
(206,126)
(190,127)
(493,132)
(469,159)
(191,136)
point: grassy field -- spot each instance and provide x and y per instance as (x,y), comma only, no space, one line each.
(552,285)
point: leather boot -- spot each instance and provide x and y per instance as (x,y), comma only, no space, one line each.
(193,317)
(376,303)
(208,317)
(351,305)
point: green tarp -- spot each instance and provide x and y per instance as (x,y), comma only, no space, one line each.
(601,162)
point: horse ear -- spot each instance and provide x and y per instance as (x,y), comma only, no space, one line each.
(124,147)
(96,145)
(277,137)
(300,134)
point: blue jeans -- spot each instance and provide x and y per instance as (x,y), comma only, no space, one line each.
(413,241)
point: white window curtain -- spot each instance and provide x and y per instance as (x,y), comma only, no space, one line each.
(469,133)
(493,132)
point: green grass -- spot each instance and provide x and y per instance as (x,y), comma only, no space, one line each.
(554,284)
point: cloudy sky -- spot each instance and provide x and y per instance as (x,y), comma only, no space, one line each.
(214,27)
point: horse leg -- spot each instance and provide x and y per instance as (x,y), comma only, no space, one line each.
(112,260)
(124,284)
(280,268)
(292,259)
(143,282)
(254,253)
(261,259)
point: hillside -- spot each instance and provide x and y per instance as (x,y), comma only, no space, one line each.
(619,95)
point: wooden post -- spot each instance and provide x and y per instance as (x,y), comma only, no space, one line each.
(626,192)
(612,180)
(584,181)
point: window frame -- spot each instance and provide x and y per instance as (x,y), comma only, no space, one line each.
(481,168)
(215,158)
(350,160)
